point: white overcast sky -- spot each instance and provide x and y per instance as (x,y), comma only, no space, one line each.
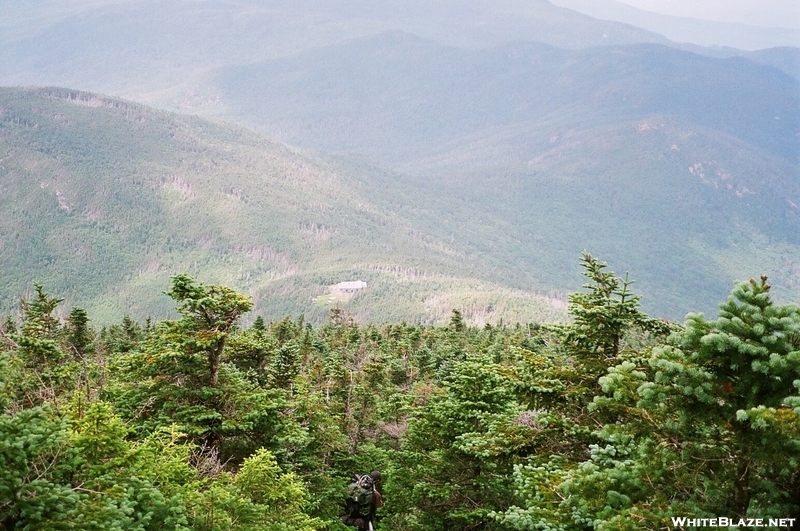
(777,13)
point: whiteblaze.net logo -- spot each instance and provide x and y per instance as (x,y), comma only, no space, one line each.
(684,522)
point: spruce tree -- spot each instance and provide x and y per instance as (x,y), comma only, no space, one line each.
(605,314)
(79,335)
(38,320)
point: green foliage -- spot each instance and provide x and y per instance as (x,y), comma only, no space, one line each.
(704,425)
(454,466)
(277,499)
(208,308)
(38,321)
(258,324)
(604,315)
(754,346)
(56,478)
(209,314)
(606,320)
(122,337)
(498,427)
(35,468)
(79,336)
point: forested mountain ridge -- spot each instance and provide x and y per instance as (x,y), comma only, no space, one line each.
(103,200)
(517,133)
(646,153)
(129,196)
(401,98)
(153,51)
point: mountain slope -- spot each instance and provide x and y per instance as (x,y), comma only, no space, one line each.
(701,32)
(152,51)
(507,161)
(102,200)
(396,97)
(683,210)
(616,149)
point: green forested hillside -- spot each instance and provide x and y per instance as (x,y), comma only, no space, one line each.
(103,200)
(401,98)
(678,166)
(613,421)
(517,134)
(666,199)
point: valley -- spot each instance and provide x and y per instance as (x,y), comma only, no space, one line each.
(488,156)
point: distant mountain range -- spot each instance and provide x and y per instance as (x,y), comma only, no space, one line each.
(138,49)
(397,97)
(474,149)
(154,51)
(747,36)
(621,149)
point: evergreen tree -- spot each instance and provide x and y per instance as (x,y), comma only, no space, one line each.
(45,370)
(209,313)
(9,326)
(258,324)
(605,314)
(38,321)
(79,335)
(122,337)
(708,425)
(453,467)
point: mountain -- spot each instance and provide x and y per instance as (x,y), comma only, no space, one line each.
(646,154)
(158,52)
(692,30)
(784,58)
(152,51)
(103,200)
(500,140)
(397,97)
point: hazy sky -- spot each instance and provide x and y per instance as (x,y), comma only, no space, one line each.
(778,13)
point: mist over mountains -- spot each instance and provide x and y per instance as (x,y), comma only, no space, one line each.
(396,96)
(477,149)
(137,49)
(752,35)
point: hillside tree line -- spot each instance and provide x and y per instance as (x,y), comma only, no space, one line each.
(615,420)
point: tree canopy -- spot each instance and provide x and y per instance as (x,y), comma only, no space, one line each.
(615,420)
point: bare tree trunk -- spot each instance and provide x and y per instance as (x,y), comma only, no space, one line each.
(741,484)
(214,358)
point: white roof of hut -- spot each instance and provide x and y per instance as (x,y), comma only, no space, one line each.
(351,285)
